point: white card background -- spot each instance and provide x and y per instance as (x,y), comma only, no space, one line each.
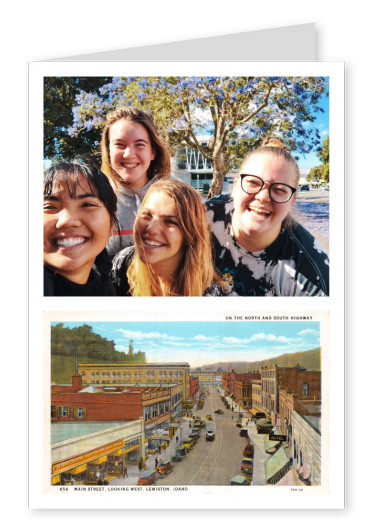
(41,30)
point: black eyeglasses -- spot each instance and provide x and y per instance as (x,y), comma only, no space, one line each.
(279,192)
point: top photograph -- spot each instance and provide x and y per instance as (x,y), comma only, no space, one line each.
(186,186)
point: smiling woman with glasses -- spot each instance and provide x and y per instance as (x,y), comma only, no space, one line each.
(259,248)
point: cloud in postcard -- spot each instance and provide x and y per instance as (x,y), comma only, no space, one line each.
(138,335)
(308,331)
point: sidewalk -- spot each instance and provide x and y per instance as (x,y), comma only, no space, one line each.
(167,453)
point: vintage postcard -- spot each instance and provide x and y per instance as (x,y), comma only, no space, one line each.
(220,362)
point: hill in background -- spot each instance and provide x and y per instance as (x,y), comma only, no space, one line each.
(309,359)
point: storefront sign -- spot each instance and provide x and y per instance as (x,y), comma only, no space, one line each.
(273,437)
(86,457)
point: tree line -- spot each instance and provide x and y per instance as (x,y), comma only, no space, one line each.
(84,343)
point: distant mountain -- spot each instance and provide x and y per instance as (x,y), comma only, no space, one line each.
(309,359)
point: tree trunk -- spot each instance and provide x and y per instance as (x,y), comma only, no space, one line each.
(220,168)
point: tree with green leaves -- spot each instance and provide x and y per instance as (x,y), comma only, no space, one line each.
(236,112)
(321,173)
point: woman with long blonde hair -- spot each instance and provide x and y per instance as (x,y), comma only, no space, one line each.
(172,255)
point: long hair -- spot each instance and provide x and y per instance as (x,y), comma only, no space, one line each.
(196,271)
(275,147)
(69,172)
(160,167)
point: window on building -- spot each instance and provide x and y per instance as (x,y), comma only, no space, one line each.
(53,411)
(146,413)
(305,389)
(154,411)
(79,412)
(64,411)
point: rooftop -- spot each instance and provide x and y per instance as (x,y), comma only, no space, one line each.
(62,431)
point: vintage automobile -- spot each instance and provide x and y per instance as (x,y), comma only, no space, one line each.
(239,480)
(194,435)
(164,467)
(188,443)
(192,438)
(147,477)
(246,466)
(239,423)
(243,432)
(180,453)
(219,411)
(209,418)
(249,451)
(196,432)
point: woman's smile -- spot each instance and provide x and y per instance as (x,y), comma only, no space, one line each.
(159,239)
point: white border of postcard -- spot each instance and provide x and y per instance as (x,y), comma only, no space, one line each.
(205,306)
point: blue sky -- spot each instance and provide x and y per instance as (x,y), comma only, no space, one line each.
(310,160)
(208,342)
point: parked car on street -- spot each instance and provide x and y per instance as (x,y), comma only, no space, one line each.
(147,477)
(239,480)
(246,465)
(164,467)
(180,453)
(188,443)
(304,187)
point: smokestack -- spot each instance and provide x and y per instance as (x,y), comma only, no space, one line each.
(75,365)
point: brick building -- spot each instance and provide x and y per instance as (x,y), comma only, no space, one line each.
(295,380)
(142,374)
(243,388)
(115,403)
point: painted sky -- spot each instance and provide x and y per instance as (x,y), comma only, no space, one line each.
(200,343)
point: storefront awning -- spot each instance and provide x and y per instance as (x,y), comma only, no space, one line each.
(275,463)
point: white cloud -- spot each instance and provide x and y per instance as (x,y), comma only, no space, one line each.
(309,331)
(131,334)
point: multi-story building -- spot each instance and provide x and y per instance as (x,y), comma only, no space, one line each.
(256,396)
(207,377)
(229,379)
(92,452)
(306,443)
(193,386)
(295,380)
(142,374)
(243,389)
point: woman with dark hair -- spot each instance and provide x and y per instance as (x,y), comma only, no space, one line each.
(79,212)
(259,248)
(172,254)
(134,157)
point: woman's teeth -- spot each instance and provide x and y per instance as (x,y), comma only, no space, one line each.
(260,211)
(153,244)
(69,242)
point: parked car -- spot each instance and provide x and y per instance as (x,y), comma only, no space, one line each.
(304,187)
(147,477)
(243,432)
(164,467)
(180,453)
(219,412)
(239,480)
(246,466)
(249,450)
(188,443)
